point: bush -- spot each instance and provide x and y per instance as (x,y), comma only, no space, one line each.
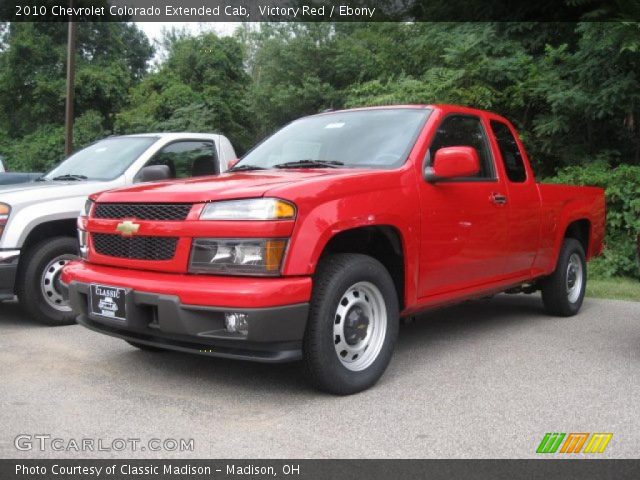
(44,148)
(622,187)
(37,151)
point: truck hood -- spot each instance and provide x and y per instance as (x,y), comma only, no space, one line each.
(38,192)
(226,186)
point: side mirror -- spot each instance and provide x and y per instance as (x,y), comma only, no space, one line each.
(153,173)
(453,162)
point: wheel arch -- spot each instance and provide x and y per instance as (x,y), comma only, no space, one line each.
(53,228)
(580,230)
(382,242)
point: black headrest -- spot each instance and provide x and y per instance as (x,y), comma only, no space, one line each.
(203,165)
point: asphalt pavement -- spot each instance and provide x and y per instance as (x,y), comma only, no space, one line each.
(485,379)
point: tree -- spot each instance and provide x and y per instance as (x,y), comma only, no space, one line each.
(111,58)
(592,94)
(202,86)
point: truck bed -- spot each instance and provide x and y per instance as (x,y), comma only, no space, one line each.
(562,204)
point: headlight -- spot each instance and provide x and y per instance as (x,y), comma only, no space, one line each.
(86,210)
(242,256)
(250,209)
(4,216)
(82,228)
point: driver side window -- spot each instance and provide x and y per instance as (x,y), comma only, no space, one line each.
(464,131)
(187,159)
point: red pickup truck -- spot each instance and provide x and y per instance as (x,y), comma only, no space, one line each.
(327,233)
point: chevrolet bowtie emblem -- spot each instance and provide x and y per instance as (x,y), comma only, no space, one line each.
(127,228)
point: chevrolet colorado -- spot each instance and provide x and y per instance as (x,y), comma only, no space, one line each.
(38,234)
(327,233)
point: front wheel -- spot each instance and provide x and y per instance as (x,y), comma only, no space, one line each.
(39,289)
(563,291)
(352,326)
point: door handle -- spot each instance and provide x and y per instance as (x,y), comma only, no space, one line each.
(498,198)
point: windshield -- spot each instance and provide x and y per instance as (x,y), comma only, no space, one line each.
(376,138)
(103,160)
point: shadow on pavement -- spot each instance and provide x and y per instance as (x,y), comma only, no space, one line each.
(471,318)
(11,315)
(453,325)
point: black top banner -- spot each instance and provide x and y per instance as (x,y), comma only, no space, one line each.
(319,10)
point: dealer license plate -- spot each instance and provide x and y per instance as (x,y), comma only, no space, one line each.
(108,302)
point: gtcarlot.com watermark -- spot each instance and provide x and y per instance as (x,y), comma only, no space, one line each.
(44,442)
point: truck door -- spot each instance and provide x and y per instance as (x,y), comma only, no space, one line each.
(188,158)
(464,220)
(523,200)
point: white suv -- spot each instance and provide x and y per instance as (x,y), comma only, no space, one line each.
(38,220)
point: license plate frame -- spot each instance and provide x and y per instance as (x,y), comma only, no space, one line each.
(108,302)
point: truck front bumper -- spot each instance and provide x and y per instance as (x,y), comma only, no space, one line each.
(8,270)
(164,319)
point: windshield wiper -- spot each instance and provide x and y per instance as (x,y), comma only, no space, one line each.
(246,168)
(308,163)
(70,176)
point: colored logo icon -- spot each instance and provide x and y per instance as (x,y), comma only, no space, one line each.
(574,442)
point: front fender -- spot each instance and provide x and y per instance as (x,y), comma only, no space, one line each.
(23,220)
(316,226)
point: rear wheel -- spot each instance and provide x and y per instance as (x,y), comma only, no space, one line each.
(563,291)
(39,289)
(352,326)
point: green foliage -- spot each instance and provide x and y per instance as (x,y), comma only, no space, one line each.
(88,128)
(110,57)
(622,187)
(37,151)
(571,89)
(591,94)
(290,68)
(201,86)
(618,288)
(44,148)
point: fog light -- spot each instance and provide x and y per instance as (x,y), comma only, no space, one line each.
(236,322)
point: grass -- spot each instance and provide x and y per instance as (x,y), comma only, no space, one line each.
(619,288)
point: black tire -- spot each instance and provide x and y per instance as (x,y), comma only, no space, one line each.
(30,279)
(145,347)
(555,295)
(335,275)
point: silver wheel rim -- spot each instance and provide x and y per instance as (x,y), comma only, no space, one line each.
(360,326)
(50,283)
(575,278)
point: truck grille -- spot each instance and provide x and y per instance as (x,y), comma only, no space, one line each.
(143,211)
(137,248)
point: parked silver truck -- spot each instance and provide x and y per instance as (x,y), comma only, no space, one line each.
(38,220)
(7,177)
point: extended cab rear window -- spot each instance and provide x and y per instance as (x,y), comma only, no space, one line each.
(511,155)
